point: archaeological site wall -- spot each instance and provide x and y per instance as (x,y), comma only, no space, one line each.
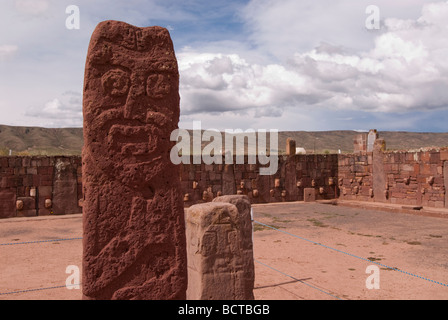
(31,186)
(201,182)
(37,186)
(414,178)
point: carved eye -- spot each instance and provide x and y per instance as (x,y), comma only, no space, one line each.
(116,82)
(158,86)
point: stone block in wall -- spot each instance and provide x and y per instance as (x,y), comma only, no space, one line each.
(7,203)
(14,162)
(238,175)
(443,154)
(27,208)
(360,143)
(290,146)
(291,181)
(45,162)
(65,188)
(425,157)
(31,170)
(228,180)
(191,173)
(219,250)
(434,157)
(445,182)
(309,194)
(4,163)
(28,180)
(42,210)
(380,170)
(45,180)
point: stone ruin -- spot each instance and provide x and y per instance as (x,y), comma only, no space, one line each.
(365,142)
(220,249)
(134,243)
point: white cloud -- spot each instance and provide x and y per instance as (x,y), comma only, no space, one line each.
(64,111)
(32,7)
(7,51)
(218,83)
(406,70)
(305,62)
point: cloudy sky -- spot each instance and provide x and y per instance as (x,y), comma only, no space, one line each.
(260,64)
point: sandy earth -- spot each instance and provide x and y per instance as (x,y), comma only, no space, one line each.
(316,255)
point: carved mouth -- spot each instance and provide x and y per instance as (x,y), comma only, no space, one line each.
(132,140)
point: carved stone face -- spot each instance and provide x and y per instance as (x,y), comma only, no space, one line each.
(131,100)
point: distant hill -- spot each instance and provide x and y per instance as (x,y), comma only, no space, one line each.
(332,141)
(69,141)
(40,141)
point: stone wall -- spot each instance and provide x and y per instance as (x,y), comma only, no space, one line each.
(201,182)
(355,177)
(417,178)
(31,186)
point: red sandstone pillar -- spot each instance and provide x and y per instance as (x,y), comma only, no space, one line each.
(133,216)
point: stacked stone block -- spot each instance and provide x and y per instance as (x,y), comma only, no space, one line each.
(355,177)
(401,177)
(29,186)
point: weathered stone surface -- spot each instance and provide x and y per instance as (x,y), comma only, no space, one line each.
(133,218)
(371,137)
(291,181)
(228,180)
(378,172)
(7,203)
(220,250)
(309,194)
(290,147)
(65,188)
(445,181)
(28,208)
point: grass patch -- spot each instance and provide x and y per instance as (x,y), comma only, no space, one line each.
(264,214)
(414,243)
(368,235)
(278,220)
(364,235)
(373,259)
(317,223)
(435,236)
(329,215)
(390,269)
(259,227)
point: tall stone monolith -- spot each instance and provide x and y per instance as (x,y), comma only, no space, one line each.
(220,250)
(133,218)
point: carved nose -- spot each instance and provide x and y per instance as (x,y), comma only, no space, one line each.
(136,106)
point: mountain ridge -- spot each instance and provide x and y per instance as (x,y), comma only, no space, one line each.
(69,141)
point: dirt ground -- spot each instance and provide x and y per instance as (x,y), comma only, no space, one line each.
(319,252)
